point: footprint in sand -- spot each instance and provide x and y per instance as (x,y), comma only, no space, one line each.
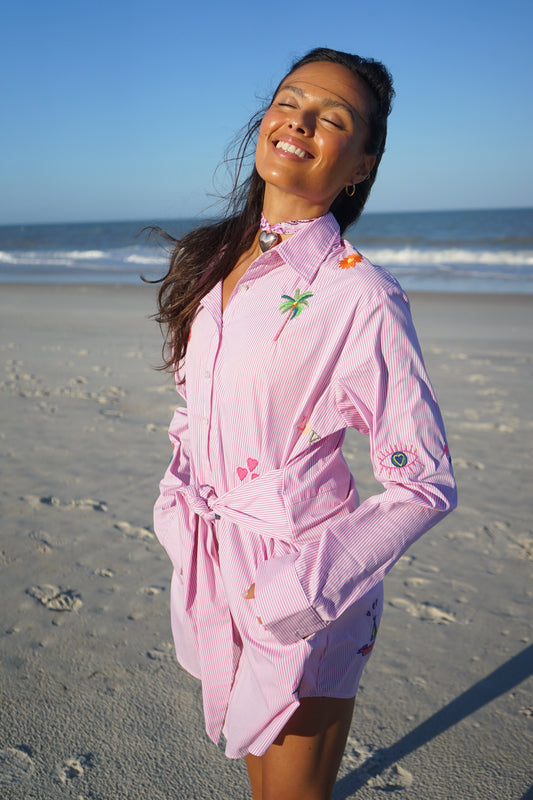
(103,572)
(423,611)
(163,653)
(70,769)
(113,413)
(42,539)
(462,463)
(523,543)
(152,590)
(133,531)
(370,765)
(15,766)
(56,599)
(85,504)
(415,583)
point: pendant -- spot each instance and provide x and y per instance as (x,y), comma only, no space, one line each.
(267,240)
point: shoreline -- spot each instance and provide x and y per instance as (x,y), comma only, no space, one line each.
(93,703)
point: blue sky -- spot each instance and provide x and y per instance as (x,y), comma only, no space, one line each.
(122,110)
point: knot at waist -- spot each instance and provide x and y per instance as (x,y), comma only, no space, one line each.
(257,506)
(201,500)
(282,503)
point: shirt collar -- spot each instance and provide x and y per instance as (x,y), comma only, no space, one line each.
(305,250)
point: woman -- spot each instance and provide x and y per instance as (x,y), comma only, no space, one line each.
(281,338)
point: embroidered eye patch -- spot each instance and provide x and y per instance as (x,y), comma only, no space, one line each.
(396,460)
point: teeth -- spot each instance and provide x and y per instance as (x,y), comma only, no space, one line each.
(291,148)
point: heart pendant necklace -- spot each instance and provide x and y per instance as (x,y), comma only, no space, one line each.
(268,240)
(271,234)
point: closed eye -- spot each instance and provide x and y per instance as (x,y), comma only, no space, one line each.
(335,124)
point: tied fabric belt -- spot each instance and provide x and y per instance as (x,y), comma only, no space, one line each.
(257,506)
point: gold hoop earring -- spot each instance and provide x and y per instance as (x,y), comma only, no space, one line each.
(350,190)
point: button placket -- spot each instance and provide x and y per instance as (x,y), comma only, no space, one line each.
(207,389)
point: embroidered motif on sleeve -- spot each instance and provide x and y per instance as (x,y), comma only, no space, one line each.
(397,460)
(306,430)
(367,648)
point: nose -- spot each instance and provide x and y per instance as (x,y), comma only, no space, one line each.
(302,122)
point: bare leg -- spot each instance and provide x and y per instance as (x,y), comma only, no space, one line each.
(303,762)
(255,773)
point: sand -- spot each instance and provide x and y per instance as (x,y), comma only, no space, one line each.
(93,704)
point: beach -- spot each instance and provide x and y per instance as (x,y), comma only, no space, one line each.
(92,702)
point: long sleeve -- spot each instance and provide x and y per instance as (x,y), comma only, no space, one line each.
(382,389)
(171,512)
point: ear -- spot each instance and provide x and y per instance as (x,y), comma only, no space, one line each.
(363,169)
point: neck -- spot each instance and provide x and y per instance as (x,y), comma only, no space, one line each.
(282,207)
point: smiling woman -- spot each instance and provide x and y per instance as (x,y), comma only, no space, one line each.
(281,336)
(312,141)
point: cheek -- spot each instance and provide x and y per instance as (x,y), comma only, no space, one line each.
(261,147)
(268,122)
(346,159)
(263,127)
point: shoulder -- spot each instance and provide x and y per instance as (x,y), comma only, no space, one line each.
(356,278)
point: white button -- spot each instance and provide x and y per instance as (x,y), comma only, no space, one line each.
(206,421)
(243,287)
(207,374)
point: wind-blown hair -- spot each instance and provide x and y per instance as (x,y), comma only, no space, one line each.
(206,255)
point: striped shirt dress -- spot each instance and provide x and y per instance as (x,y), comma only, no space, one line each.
(314,339)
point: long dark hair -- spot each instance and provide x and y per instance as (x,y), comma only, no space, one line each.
(194,270)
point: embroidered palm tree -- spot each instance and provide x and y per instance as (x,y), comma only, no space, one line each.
(294,305)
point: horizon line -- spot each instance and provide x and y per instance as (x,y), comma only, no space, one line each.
(203,219)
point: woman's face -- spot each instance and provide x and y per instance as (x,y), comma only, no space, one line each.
(311,141)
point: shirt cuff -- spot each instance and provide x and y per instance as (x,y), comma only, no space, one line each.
(281,602)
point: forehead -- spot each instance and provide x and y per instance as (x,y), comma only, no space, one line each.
(328,80)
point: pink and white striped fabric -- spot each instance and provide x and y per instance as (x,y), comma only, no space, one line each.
(314,339)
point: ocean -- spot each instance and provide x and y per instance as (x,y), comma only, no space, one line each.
(487,251)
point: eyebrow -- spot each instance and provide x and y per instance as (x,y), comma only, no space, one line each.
(327,101)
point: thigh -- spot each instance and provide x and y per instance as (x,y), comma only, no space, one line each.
(304,759)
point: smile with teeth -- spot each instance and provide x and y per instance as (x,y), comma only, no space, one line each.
(291,148)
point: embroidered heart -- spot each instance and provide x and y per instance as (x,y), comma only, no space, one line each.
(255,475)
(252,464)
(399,459)
(242,473)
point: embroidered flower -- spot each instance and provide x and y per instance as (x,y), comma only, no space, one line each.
(350,261)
